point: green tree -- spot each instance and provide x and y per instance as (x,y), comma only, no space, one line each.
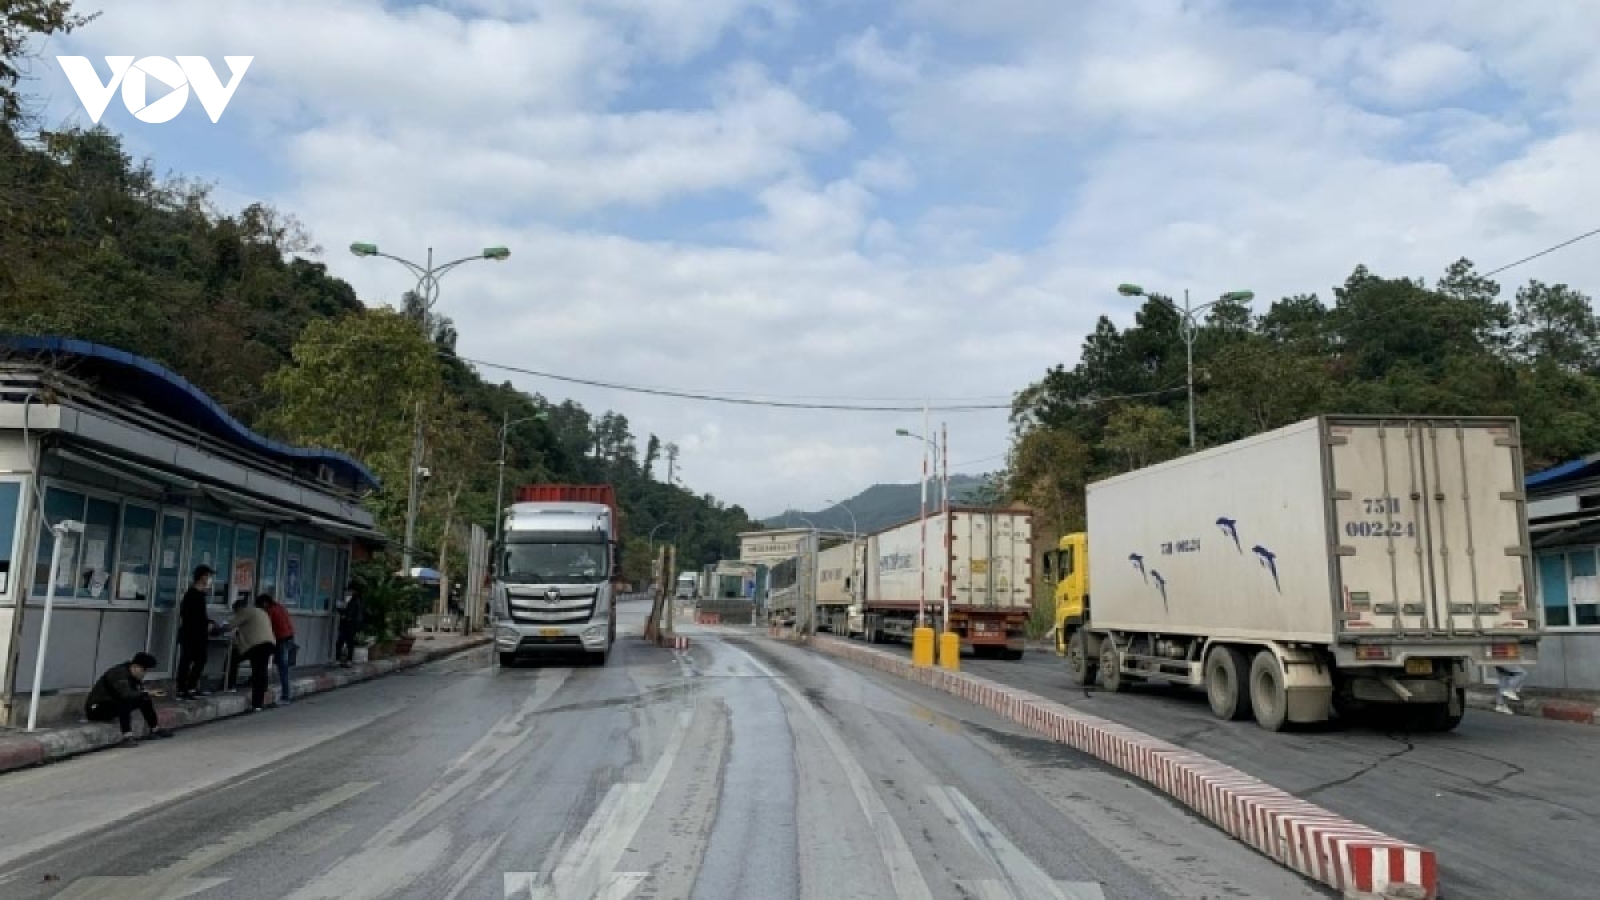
(1554,323)
(1142,435)
(21,23)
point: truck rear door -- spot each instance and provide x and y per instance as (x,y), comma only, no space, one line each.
(1428,527)
(993,558)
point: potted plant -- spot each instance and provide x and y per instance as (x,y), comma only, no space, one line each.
(389,607)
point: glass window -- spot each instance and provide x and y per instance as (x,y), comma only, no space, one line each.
(1553,589)
(327,571)
(246,539)
(135,555)
(308,577)
(202,548)
(221,586)
(271,556)
(10,506)
(294,554)
(171,580)
(99,548)
(59,505)
(1584,587)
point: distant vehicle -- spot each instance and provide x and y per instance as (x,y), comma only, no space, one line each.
(688,586)
(558,578)
(1337,563)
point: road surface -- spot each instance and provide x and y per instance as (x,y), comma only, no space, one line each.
(1511,804)
(742,768)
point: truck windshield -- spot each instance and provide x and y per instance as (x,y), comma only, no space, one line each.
(556,563)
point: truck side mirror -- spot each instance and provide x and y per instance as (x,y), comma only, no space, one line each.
(1049,568)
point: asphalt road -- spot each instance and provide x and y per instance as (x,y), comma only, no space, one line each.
(742,768)
(1511,804)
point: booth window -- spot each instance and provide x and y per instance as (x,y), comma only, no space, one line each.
(133,584)
(85,571)
(10,506)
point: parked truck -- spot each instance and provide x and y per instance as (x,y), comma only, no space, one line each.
(982,558)
(839,571)
(1335,564)
(688,586)
(558,572)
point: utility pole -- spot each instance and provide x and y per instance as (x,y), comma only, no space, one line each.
(411,495)
(1188,329)
(672,463)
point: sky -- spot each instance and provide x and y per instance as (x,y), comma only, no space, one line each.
(871,201)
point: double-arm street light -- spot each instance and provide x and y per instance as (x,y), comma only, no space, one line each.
(1188,328)
(427,293)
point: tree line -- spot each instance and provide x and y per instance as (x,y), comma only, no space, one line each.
(102,247)
(1384,345)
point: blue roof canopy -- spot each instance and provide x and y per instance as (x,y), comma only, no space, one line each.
(171,394)
(1577,468)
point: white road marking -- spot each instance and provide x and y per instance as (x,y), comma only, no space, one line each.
(178,879)
(1020,878)
(486,854)
(904,873)
(585,868)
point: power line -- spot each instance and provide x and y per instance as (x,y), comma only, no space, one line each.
(1545,252)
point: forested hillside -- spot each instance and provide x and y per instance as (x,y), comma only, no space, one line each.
(1383,345)
(883,505)
(98,246)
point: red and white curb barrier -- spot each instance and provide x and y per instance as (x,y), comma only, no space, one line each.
(673,641)
(1319,844)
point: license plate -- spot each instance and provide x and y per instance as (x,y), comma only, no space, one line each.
(1419,667)
(556,632)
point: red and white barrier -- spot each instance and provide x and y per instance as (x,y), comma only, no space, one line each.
(708,619)
(1319,844)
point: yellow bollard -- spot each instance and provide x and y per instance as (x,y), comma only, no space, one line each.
(950,651)
(922,647)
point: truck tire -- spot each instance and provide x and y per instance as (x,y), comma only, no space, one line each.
(508,660)
(1011,655)
(1269,696)
(599,657)
(1438,717)
(1111,677)
(1226,686)
(1083,668)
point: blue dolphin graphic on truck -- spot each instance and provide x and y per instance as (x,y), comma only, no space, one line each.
(1230,527)
(1160,583)
(1269,561)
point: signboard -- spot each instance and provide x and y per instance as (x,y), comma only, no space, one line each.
(244,575)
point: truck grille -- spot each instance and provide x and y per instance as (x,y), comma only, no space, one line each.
(538,609)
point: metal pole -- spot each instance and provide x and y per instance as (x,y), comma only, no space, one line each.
(949,520)
(922,518)
(500,484)
(1188,343)
(411,495)
(60,530)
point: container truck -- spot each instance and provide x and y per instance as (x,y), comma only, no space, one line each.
(838,574)
(1340,563)
(687,585)
(558,575)
(983,559)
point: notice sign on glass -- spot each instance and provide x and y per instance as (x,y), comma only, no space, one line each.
(244,574)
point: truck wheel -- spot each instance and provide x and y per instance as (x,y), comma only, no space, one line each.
(1014,655)
(1111,678)
(1268,695)
(598,657)
(1083,668)
(1438,717)
(1226,688)
(508,660)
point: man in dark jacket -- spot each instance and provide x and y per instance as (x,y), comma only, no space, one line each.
(350,622)
(119,692)
(194,631)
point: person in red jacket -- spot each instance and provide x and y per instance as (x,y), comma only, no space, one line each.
(284,650)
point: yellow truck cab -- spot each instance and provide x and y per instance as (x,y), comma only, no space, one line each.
(1067,567)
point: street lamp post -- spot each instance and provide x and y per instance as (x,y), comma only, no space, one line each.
(933,448)
(506,422)
(1188,329)
(428,293)
(855,534)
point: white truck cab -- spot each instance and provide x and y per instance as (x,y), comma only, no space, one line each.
(555,589)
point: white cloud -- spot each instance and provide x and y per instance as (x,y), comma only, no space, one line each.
(689,206)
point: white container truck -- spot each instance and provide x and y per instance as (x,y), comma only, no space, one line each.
(558,576)
(1338,563)
(982,559)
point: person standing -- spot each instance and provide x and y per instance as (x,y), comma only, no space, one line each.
(119,692)
(284,649)
(1510,678)
(252,640)
(350,613)
(194,631)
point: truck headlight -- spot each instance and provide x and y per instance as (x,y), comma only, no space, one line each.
(592,631)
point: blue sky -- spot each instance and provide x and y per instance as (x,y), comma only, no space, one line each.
(851,198)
